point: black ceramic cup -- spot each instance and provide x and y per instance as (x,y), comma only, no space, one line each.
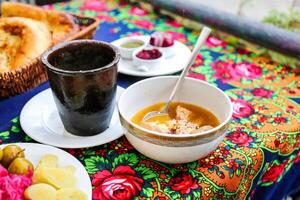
(83,79)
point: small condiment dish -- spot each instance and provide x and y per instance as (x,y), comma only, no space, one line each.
(171,148)
(147,64)
(128,45)
(167,51)
(164,42)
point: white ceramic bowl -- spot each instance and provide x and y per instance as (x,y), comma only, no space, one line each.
(127,52)
(174,148)
(146,65)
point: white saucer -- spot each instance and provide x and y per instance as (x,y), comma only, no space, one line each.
(168,66)
(40,120)
(34,153)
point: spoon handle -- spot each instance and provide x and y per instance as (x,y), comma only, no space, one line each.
(201,40)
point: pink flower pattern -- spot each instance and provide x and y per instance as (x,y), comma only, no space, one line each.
(98,6)
(262,92)
(137,11)
(214,42)
(240,138)
(248,70)
(241,108)
(226,71)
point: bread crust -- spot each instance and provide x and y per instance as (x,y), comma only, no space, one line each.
(21,40)
(60,24)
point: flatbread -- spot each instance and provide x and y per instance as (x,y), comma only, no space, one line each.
(21,40)
(60,24)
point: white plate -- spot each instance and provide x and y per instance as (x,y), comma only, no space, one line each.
(34,153)
(40,120)
(168,66)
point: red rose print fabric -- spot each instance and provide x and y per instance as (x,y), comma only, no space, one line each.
(183,183)
(122,183)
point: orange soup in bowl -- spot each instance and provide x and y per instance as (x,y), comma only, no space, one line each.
(182,118)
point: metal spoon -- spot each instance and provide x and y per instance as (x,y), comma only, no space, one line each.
(201,39)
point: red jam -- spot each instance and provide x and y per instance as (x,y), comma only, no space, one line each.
(160,39)
(149,54)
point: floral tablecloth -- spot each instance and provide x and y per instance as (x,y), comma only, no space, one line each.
(258,159)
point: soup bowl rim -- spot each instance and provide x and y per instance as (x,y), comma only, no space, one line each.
(204,134)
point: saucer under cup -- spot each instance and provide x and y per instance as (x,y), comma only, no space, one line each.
(40,120)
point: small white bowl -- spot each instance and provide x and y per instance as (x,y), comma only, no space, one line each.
(174,148)
(167,51)
(126,53)
(144,64)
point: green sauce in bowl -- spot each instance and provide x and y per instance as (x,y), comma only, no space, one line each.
(132,44)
